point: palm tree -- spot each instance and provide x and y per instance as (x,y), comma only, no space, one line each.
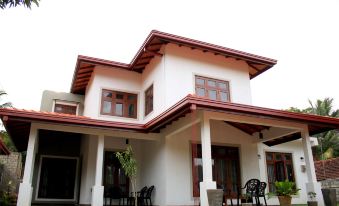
(6,104)
(328,141)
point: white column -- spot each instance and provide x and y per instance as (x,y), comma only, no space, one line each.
(25,188)
(207,182)
(312,185)
(98,189)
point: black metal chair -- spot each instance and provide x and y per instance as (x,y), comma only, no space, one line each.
(140,195)
(251,187)
(261,191)
(148,197)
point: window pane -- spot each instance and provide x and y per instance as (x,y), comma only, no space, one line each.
(107,106)
(107,94)
(278,157)
(212,94)
(269,156)
(288,157)
(200,92)
(131,97)
(280,171)
(289,171)
(222,85)
(131,110)
(66,109)
(223,96)
(119,96)
(199,81)
(211,83)
(118,109)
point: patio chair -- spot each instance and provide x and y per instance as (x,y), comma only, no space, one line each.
(147,199)
(251,187)
(140,195)
(215,197)
(261,191)
(113,193)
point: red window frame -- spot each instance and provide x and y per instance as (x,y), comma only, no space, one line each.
(209,88)
(123,98)
(149,100)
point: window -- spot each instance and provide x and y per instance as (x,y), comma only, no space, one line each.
(279,168)
(65,107)
(119,104)
(212,88)
(149,100)
(225,168)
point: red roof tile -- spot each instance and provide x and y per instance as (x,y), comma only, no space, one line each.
(327,169)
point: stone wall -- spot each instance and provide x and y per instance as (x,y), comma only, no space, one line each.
(10,170)
(331,184)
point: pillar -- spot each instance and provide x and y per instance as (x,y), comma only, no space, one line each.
(98,189)
(207,182)
(25,188)
(312,185)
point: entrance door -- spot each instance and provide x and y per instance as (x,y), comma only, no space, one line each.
(114,175)
(225,168)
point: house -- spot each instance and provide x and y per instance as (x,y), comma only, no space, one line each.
(185,108)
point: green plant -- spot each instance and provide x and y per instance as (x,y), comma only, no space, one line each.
(284,188)
(7,196)
(312,195)
(129,165)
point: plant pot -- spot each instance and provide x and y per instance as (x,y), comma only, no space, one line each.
(312,203)
(285,200)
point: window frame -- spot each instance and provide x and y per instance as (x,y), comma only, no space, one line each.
(149,100)
(124,101)
(66,103)
(208,88)
(273,162)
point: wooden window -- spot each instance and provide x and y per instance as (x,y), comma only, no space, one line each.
(64,108)
(279,168)
(225,168)
(119,104)
(212,88)
(149,100)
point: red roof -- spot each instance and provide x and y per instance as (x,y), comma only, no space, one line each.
(327,169)
(150,48)
(17,122)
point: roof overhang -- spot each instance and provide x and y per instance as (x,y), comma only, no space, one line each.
(17,122)
(151,47)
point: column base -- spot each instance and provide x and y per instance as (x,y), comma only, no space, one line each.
(204,186)
(97,195)
(25,194)
(315,187)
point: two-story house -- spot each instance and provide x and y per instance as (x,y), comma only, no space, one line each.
(185,108)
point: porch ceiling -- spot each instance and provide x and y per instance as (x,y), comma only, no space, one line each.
(17,122)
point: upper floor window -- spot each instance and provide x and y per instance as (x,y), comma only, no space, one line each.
(212,88)
(279,168)
(117,103)
(65,107)
(149,100)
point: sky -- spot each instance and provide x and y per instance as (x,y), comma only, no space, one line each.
(39,47)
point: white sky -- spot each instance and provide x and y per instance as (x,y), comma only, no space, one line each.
(39,47)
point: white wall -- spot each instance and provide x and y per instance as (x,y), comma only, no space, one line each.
(294,147)
(111,79)
(172,76)
(182,64)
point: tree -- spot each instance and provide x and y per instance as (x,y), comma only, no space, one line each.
(14,3)
(7,141)
(2,94)
(129,165)
(328,141)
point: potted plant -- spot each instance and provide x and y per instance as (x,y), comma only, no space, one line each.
(129,165)
(284,190)
(313,201)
